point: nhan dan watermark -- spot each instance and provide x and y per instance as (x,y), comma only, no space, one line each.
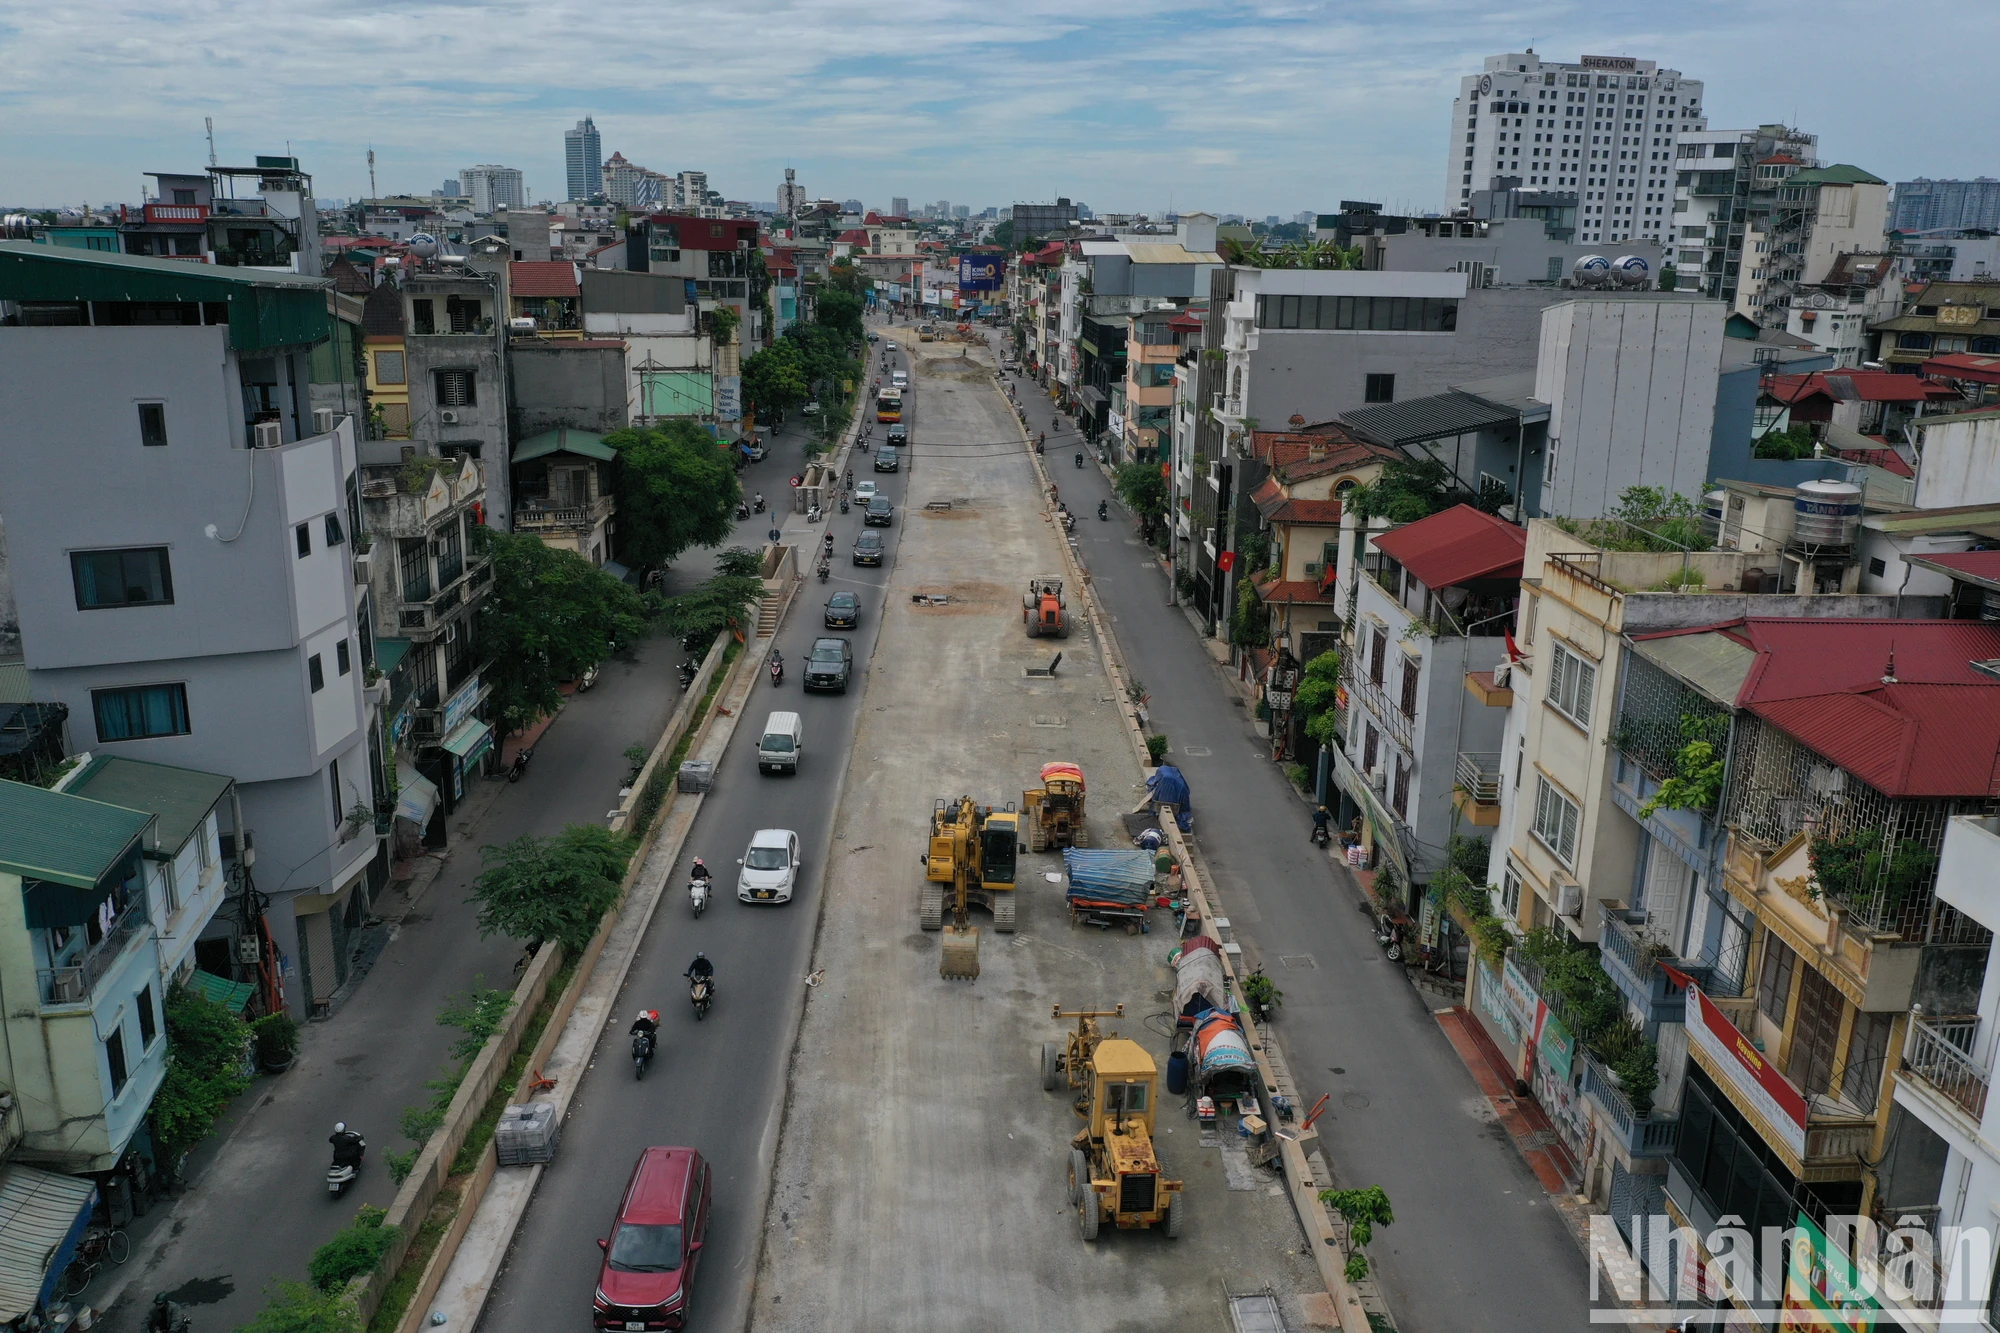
(1851,1274)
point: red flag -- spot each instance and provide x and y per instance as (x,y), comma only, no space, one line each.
(1513,651)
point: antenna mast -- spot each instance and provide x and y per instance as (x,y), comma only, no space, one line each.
(209,121)
(371,173)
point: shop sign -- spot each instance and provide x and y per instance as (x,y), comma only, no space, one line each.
(1822,1288)
(1781,1105)
(460,705)
(1517,995)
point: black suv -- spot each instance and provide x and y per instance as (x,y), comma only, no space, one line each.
(843,611)
(868,548)
(887,459)
(899,435)
(880,513)
(826,668)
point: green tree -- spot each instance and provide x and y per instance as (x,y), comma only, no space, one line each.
(843,276)
(723,321)
(1407,490)
(1003,234)
(551,888)
(708,608)
(353,1251)
(1318,692)
(1363,1211)
(295,1307)
(676,489)
(774,380)
(841,312)
(550,615)
(1669,277)
(205,1043)
(1142,489)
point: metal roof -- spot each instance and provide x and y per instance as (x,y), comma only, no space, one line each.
(1433,418)
(69,839)
(38,1210)
(1715,664)
(1456,546)
(180,797)
(267,308)
(565,440)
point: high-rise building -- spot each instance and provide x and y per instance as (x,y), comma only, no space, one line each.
(450,188)
(943,209)
(1928,205)
(634,186)
(691,191)
(1032,220)
(899,206)
(583,150)
(1606,126)
(791,195)
(493,188)
(852,206)
(961,210)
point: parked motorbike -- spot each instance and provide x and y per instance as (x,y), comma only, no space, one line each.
(698,895)
(777,668)
(701,994)
(520,764)
(1068,521)
(342,1173)
(642,1053)
(688,671)
(587,679)
(1389,934)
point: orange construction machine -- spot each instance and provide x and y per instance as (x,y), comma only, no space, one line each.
(1042,609)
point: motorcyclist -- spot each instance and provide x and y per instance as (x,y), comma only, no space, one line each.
(1320,819)
(698,870)
(166,1316)
(701,970)
(647,1023)
(1103,508)
(347,1145)
(758,503)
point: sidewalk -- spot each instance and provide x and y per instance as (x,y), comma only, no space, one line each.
(257,1207)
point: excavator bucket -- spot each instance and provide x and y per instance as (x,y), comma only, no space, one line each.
(960,959)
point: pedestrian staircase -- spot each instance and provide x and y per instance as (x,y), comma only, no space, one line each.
(768,607)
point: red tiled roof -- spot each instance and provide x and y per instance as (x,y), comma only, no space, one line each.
(541,277)
(1185,322)
(856,236)
(1292,590)
(1325,513)
(1869,386)
(1290,454)
(1978,564)
(1932,731)
(1456,546)
(1886,459)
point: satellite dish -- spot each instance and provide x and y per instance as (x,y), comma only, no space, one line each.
(424,245)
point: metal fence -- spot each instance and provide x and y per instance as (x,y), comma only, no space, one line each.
(1658,715)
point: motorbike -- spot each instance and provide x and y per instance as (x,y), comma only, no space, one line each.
(1389,934)
(688,671)
(587,679)
(1079,460)
(843,502)
(642,1053)
(742,510)
(698,895)
(520,764)
(341,1174)
(757,505)
(701,994)
(813,515)
(1068,521)
(1103,509)
(825,571)
(777,669)
(1321,836)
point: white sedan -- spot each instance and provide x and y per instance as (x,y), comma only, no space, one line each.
(770,867)
(864,491)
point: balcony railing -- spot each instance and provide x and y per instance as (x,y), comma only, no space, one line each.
(1937,1051)
(1632,961)
(541,518)
(1479,775)
(1650,1135)
(73,983)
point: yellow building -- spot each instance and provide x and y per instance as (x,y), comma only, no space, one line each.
(388,365)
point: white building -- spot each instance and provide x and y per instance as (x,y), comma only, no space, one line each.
(1607,126)
(493,188)
(791,195)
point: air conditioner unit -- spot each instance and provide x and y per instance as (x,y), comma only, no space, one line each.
(448,418)
(323,418)
(1569,898)
(267,435)
(361,570)
(1379,780)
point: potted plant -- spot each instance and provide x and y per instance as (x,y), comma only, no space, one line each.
(277,1038)
(1261,995)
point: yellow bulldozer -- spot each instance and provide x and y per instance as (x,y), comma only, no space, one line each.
(1054,810)
(971,856)
(1114,1174)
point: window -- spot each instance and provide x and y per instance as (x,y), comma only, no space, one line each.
(1380,389)
(1556,819)
(413,562)
(1412,672)
(389,368)
(136,577)
(1877,567)
(1571,684)
(1399,791)
(1379,652)
(114,1054)
(140,712)
(342,661)
(423,318)
(147,1026)
(334,536)
(1510,892)
(1369,748)
(316,672)
(153,425)
(1817,1030)
(302,538)
(1774,980)
(455,389)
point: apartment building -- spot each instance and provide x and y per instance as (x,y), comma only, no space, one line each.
(1940,319)
(455,340)
(1605,126)
(717,259)
(583,156)
(1297,482)
(195,477)
(1929,205)
(272,223)
(493,188)
(1726,186)
(1154,343)
(1834,312)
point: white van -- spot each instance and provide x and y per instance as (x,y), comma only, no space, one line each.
(784,737)
(899,379)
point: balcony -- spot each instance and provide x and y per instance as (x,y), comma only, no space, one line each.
(1632,960)
(540,518)
(73,983)
(1650,1135)
(1938,1065)
(1476,787)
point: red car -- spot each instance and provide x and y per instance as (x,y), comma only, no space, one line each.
(655,1243)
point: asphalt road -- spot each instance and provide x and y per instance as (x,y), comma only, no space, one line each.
(259,1207)
(717,1086)
(1476,1245)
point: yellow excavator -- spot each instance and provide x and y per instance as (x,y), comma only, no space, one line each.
(973,851)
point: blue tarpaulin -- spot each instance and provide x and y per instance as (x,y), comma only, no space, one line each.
(1124,878)
(1170,788)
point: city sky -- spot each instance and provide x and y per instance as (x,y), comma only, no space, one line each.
(1257,108)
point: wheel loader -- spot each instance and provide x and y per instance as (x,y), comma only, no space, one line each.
(1114,1174)
(1054,810)
(971,856)
(1043,610)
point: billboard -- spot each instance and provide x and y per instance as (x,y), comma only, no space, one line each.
(980,273)
(728,398)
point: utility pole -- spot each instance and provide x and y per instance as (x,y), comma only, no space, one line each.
(209,121)
(371,172)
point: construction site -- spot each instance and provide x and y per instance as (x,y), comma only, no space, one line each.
(933,1167)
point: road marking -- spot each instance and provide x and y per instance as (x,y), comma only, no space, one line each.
(1299,960)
